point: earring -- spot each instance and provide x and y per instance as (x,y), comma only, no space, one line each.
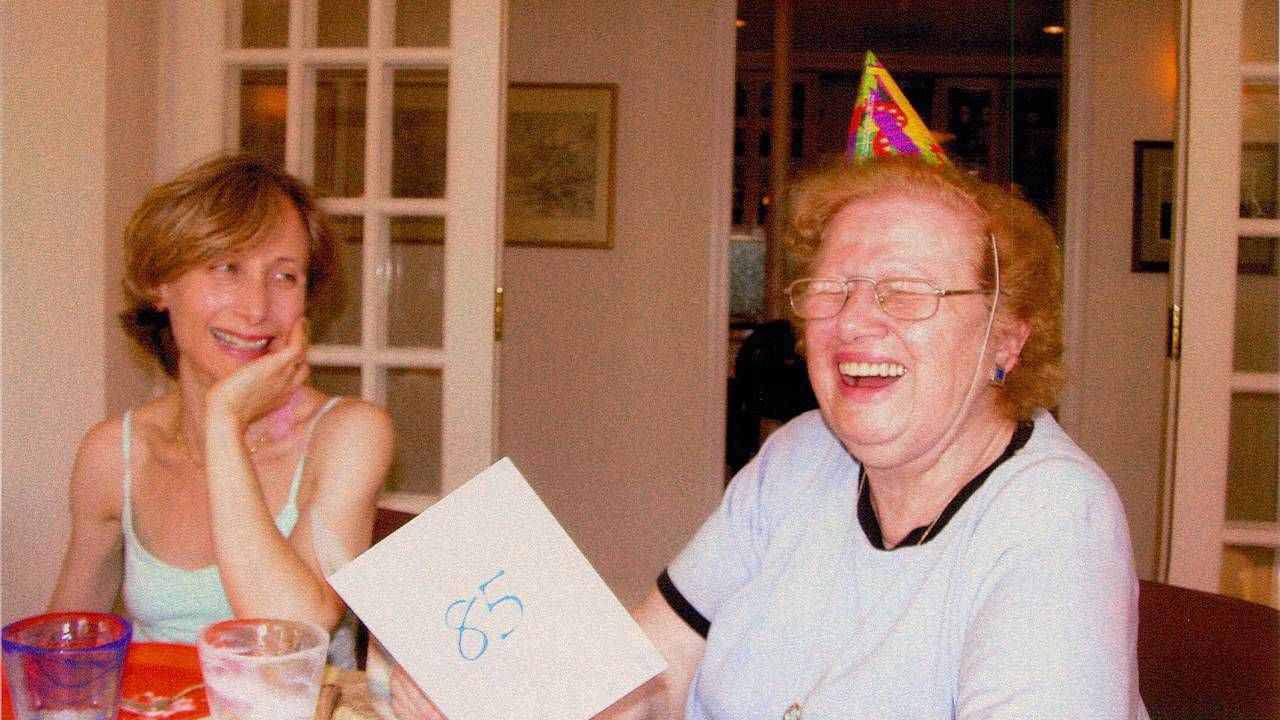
(997,379)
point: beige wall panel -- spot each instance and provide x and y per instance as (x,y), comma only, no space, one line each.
(603,388)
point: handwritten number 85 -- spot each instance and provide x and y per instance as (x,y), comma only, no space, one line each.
(478,636)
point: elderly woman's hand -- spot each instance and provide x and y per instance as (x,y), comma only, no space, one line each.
(407,699)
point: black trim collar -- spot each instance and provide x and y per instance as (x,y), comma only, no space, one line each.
(871,524)
(681,606)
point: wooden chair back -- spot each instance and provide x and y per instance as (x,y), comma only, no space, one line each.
(388,521)
(385,522)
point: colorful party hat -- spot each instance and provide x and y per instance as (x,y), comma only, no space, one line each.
(884,123)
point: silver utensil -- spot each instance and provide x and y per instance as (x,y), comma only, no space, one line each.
(158,705)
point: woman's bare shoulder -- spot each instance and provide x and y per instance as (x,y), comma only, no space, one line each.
(354,438)
(103,443)
(354,415)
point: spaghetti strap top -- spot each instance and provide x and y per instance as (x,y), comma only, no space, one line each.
(171,604)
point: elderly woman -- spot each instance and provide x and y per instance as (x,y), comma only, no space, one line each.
(205,502)
(929,543)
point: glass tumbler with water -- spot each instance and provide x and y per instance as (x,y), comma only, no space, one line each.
(262,669)
(66,665)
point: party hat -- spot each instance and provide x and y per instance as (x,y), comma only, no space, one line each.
(884,123)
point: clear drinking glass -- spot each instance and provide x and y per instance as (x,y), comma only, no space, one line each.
(66,666)
(262,669)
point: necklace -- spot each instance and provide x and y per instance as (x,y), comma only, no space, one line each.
(862,483)
(198,461)
(794,711)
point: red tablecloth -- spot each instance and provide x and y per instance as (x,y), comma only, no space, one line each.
(160,668)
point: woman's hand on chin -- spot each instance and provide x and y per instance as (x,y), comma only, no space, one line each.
(261,386)
(407,699)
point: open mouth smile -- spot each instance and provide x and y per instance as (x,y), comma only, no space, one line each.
(864,374)
(239,344)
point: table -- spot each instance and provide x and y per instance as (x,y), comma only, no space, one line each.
(164,668)
(354,702)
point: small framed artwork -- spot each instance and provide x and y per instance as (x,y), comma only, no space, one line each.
(964,108)
(1152,205)
(560,164)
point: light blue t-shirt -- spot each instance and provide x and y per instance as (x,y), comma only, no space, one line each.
(1023,605)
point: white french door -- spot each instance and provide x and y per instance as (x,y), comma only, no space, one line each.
(1222,507)
(393,110)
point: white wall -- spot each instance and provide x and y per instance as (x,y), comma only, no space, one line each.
(604,397)
(1121,376)
(52,387)
(130,171)
(77,128)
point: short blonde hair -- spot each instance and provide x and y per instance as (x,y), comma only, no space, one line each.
(1030,273)
(220,206)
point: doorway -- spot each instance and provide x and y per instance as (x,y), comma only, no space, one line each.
(997,111)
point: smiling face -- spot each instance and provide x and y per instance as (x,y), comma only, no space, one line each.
(891,389)
(229,310)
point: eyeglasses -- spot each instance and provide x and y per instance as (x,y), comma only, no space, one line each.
(819,298)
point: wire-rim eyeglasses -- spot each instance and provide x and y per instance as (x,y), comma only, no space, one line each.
(821,298)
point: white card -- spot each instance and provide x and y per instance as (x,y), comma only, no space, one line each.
(490,607)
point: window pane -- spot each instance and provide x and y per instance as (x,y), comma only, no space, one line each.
(340,121)
(262,113)
(344,381)
(263,24)
(422,23)
(418,134)
(1257,331)
(1252,475)
(413,400)
(415,302)
(340,325)
(1258,43)
(1248,573)
(1260,130)
(746,277)
(342,23)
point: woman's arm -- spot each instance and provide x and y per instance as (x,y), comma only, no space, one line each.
(661,698)
(1053,629)
(93,565)
(664,696)
(263,573)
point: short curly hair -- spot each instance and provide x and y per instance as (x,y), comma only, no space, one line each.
(1030,265)
(220,206)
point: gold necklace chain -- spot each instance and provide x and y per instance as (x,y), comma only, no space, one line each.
(199,462)
(794,711)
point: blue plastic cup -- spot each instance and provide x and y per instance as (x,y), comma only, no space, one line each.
(66,666)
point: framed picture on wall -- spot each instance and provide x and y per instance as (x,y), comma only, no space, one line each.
(560,164)
(1152,205)
(964,108)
